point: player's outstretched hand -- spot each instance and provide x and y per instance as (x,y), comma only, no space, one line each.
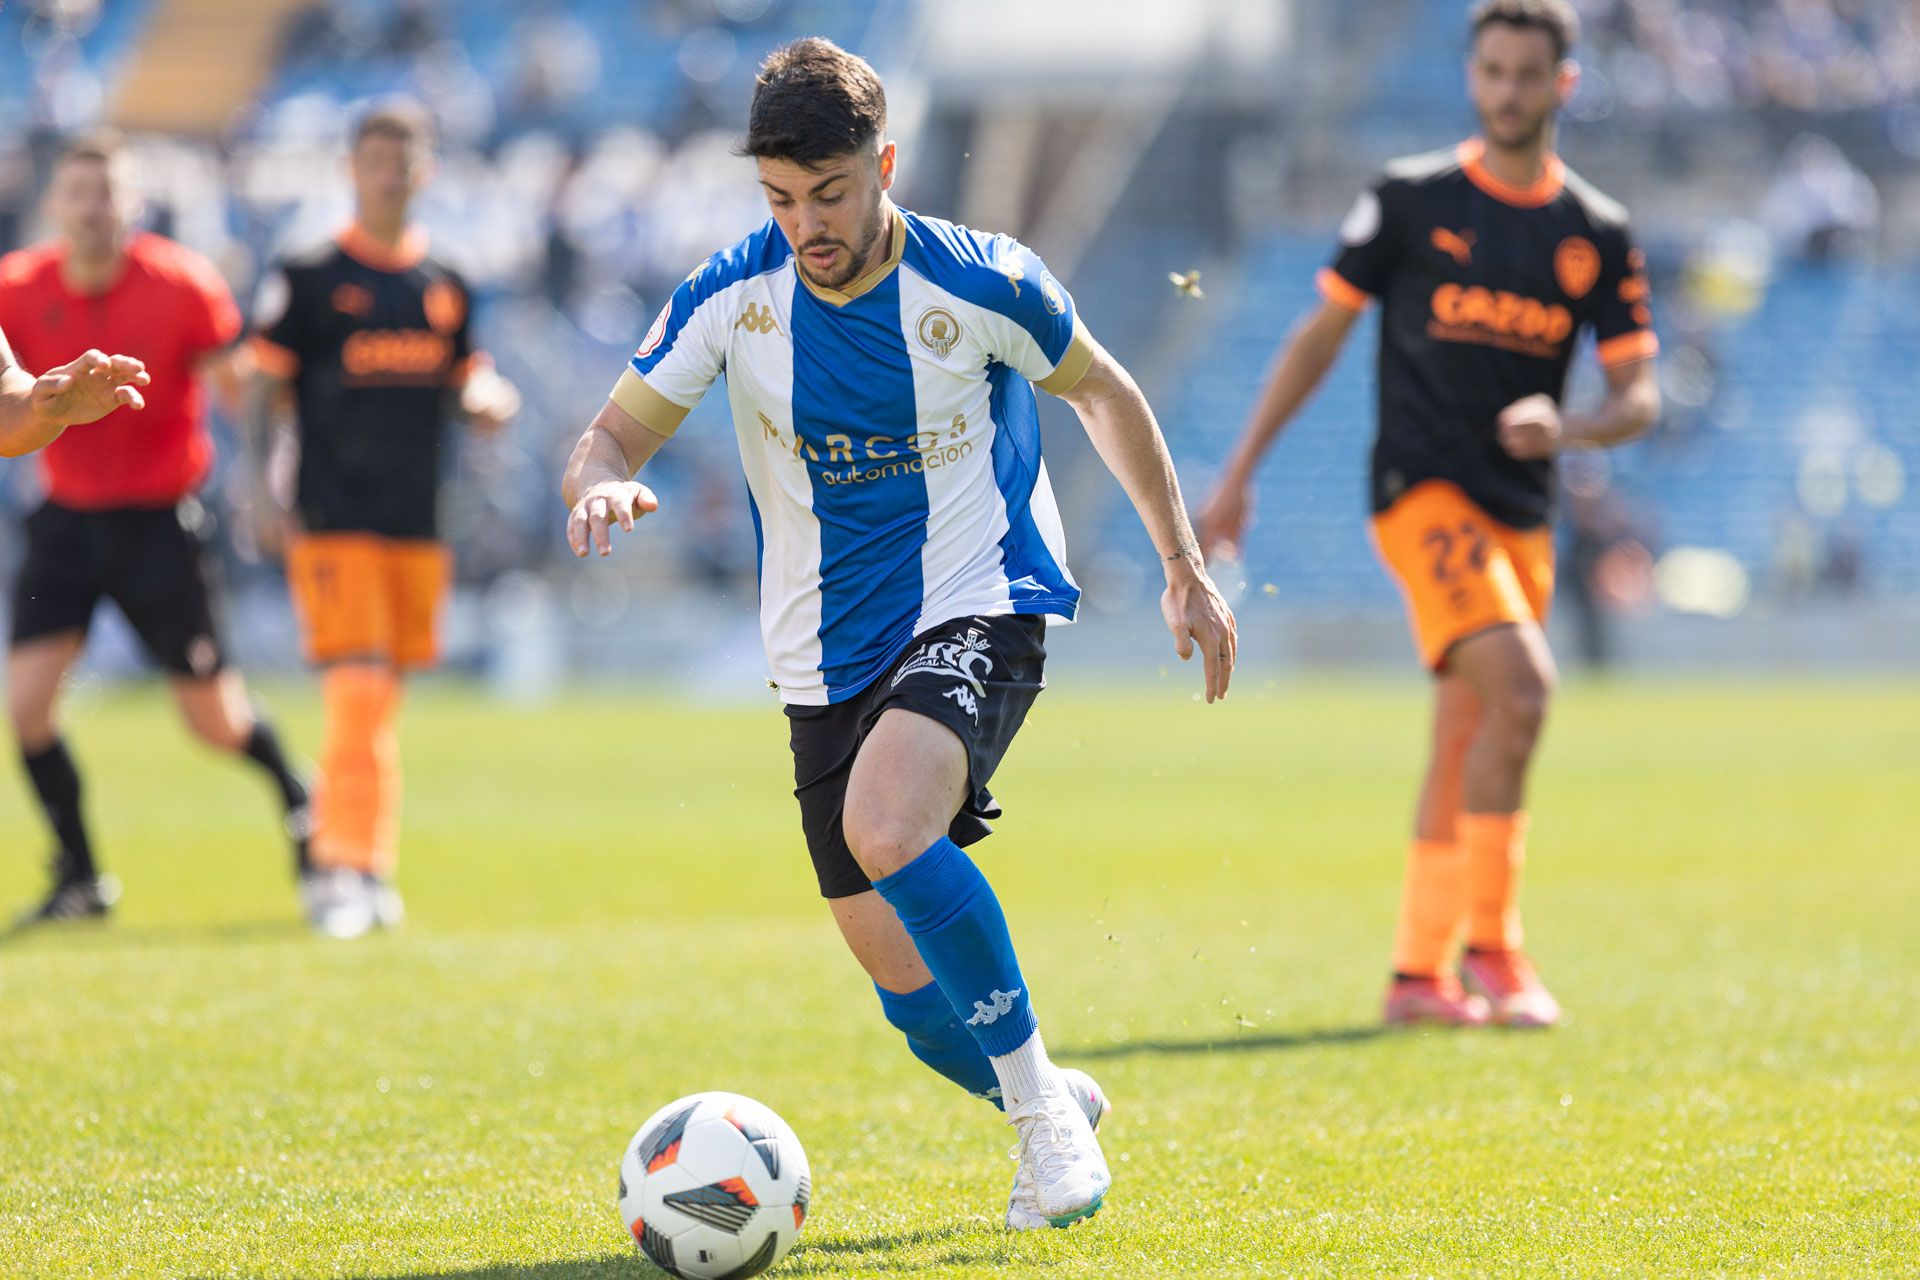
(611,502)
(90,388)
(1200,619)
(1529,428)
(1225,517)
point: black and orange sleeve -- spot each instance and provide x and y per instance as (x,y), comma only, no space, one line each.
(280,325)
(1623,304)
(1370,240)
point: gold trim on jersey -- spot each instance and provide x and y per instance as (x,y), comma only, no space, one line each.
(841,297)
(646,406)
(1074,363)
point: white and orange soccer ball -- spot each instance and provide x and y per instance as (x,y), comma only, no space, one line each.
(714,1187)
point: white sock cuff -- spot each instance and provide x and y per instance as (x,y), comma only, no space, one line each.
(1025,1072)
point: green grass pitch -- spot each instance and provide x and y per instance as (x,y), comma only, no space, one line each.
(612,908)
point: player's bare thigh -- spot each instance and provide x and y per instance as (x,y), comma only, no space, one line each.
(907,784)
(35,669)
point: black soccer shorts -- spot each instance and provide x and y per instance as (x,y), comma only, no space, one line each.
(977,676)
(155,564)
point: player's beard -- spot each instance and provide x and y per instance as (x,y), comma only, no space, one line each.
(857,258)
(1517,136)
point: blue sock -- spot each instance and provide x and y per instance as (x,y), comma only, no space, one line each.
(936,1037)
(957,926)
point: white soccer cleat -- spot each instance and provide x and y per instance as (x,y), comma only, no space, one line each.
(389,909)
(338,903)
(1062,1176)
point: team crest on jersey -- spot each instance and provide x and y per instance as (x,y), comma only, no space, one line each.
(353,300)
(1576,263)
(939,331)
(659,331)
(445,305)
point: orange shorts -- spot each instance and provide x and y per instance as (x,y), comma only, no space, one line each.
(359,595)
(1461,570)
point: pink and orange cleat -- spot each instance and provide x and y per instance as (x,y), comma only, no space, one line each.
(1515,996)
(1436,1001)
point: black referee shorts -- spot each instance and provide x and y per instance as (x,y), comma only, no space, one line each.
(156,564)
(977,676)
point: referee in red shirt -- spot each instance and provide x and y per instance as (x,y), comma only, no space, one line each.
(121,521)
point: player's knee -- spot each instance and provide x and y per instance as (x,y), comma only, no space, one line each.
(883,838)
(1523,709)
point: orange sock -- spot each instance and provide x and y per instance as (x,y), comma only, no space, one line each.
(1496,847)
(1431,902)
(356,808)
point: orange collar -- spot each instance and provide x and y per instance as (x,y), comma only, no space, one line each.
(1553,176)
(365,248)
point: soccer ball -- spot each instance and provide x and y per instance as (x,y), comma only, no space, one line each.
(714,1187)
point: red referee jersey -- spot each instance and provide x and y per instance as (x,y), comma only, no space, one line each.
(168,307)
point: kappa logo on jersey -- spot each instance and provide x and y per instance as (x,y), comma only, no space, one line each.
(993,1008)
(968,659)
(939,331)
(1457,245)
(1576,265)
(757,319)
(1496,318)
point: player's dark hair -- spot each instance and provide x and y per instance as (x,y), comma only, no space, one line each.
(1555,17)
(814,101)
(401,119)
(106,146)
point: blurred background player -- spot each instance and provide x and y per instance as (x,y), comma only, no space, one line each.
(1490,258)
(368,336)
(120,520)
(879,369)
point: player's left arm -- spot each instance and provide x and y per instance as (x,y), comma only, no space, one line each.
(1536,427)
(34,411)
(1622,318)
(1122,427)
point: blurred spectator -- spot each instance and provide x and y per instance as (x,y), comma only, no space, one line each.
(1820,206)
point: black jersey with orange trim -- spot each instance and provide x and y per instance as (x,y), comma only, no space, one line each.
(1484,288)
(375,341)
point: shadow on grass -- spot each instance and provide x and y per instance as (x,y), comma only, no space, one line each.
(99,935)
(1225,1043)
(625,1265)
(878,1252)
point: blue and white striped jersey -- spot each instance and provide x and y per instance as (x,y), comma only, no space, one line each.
(889,435)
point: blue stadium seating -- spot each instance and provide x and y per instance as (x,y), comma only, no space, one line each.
(1823,341)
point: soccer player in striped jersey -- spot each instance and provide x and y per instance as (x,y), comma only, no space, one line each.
(1489,260)
(879,367)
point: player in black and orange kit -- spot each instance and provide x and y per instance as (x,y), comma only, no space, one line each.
(370,337)
(120,520)
(1489,260)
